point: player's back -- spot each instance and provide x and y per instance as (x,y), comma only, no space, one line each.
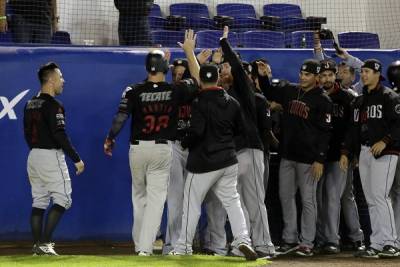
(154,108)
(212,145)
(38,120)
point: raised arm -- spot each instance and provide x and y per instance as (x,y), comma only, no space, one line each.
(188,47)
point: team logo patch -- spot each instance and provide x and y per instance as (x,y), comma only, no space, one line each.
(377,66)
(397,108)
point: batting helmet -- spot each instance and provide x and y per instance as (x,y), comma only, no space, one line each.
(393,73)
(156,62)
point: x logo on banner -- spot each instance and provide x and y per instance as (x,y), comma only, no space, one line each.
(8,107)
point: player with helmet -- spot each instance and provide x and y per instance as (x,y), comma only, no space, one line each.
(154,108)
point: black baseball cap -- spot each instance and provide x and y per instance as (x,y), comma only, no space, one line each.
(180,62)
(209,73)
(375,65)
(311,66)
(328,64)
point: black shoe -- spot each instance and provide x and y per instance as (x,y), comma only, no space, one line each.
(359,246)
(207,251)
(265,255)
(368,253)
(319,248)
(331,248)
(248,252)
(304,251)
(389,252)
(286,248)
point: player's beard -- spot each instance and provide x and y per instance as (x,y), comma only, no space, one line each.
(328,85)
(226,80)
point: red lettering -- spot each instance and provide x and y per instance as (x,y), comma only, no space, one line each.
(155,125)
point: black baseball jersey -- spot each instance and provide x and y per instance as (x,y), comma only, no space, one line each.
(44,125)
(242,90)
(375,117)
(216,119)
(341,112)
(306,122)
(154,108)
(264,120)
(184,113)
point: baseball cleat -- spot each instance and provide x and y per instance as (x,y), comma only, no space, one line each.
(286,248)
(368,253)
(248,252)
(144,253)
(266,256)
(176,253)
(388,252)
(44,249)
(359,246)
(331,248)
(304,251)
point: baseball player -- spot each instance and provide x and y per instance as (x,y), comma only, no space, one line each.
(261,74)
(306,124)
(332,184)
(180,71)
(212,162)
(44,130)
(375,137)
(250,149)
(346,77)
(154,108)
(393,74)
(178,172)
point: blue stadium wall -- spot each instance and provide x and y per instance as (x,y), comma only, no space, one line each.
(95,79)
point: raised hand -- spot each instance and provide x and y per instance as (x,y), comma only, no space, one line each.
(204,55)
(167,55)
(225,33)
(189,43)
(217,56)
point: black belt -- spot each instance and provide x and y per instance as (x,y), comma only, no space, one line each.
(158,141)
(365,143)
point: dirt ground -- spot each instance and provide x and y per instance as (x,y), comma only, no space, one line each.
(344,259)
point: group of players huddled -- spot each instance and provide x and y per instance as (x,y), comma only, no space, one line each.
(205,139)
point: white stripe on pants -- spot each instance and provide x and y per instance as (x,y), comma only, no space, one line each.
(377,178)
(49,178)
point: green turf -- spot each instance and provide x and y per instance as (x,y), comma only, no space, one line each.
(125,261)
